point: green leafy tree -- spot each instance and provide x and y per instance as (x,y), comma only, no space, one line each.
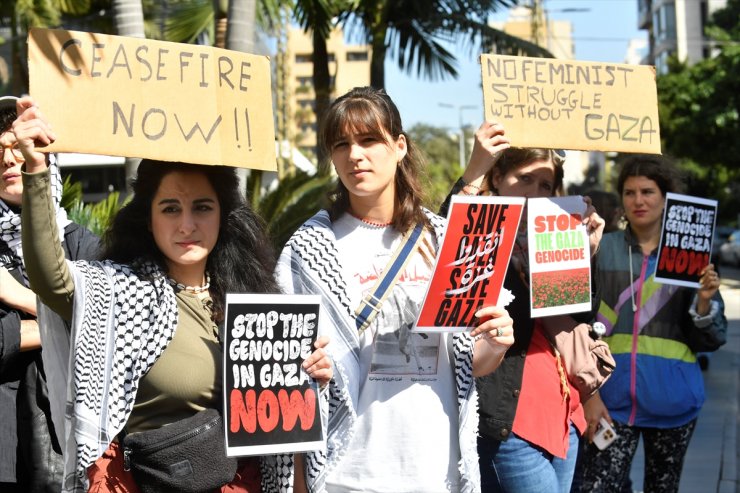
(95,217)
(700,115)
(440,150)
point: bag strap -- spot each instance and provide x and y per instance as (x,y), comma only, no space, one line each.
(370,304)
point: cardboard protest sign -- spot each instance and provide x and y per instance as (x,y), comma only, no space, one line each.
(686,239)
(567,104)
(471,263)
(270,404)
(559,256)
(153,99)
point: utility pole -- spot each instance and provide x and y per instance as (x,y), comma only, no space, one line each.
(539,29)
(461,128)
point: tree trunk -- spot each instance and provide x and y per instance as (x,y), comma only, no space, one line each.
(322,93)
(128,17)
(240,33)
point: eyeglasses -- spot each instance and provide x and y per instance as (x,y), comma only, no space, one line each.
(14,150)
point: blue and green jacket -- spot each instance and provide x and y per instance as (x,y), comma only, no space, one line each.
(653,333)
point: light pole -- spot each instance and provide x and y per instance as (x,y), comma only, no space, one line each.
(460,109)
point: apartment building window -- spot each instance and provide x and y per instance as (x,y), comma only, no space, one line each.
(308,58)
(307,104)
(664,22)
(357,56)
(304,81)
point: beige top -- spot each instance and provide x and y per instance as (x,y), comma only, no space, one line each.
(187,376)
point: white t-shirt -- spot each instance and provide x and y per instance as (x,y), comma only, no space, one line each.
(406,435)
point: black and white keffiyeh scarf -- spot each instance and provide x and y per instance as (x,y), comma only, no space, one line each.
(310,264)
(123,319)
(10,224)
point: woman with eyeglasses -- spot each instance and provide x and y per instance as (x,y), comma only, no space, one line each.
(531,415)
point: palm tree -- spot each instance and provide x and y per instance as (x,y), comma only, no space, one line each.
(414,32)
(128,17)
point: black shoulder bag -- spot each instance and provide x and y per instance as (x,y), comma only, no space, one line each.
(186,456)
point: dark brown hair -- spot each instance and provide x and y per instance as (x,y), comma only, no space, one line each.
(653,166)
(371,111)
(516,157)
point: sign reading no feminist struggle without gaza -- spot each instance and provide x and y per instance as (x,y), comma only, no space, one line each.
(565,104)
(472,262)
(686,239)
(559,256)
(271,405)
(153,99)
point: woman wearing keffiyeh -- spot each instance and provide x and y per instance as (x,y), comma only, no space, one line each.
(145,342)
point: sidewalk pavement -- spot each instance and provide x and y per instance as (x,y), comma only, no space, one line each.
(713,458)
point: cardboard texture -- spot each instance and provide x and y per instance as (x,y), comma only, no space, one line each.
(566,104)
(559,256)
(471,262)
(271,405)
(135,97)
(685,240)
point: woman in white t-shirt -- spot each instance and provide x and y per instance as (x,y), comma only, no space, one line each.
(402,410)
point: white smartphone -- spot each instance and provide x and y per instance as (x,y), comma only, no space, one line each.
(604,435)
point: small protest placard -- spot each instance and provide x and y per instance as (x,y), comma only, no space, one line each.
(271,405)
(471,263)
(568,104)
(686,239)
(559,256)
(153,99)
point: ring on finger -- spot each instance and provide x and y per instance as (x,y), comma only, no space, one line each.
(499,332)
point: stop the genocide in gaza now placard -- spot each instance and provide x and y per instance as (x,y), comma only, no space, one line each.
(569,104)
(686,239)
(271,405)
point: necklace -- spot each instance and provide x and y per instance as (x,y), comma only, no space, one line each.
(371,223)
(191,289)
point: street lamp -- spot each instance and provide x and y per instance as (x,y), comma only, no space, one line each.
(460,109)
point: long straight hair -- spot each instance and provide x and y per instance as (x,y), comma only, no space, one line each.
(371,111)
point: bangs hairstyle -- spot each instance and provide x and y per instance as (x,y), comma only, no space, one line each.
(654,167)
(242,259)
(514,158)
(369,111)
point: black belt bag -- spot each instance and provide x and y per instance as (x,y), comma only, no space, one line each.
(186,456)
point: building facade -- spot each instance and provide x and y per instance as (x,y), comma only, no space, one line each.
(349,66)
(676,28)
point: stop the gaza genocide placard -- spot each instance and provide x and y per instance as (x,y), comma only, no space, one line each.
(142,98)
(567,104)
(686,239)
(271,405)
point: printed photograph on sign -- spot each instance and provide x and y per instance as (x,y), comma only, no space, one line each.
(146,98)
(685,240)
(559,256)
(270,404)
(471,262)
(572,104)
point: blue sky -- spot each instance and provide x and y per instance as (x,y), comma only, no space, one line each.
(601,34)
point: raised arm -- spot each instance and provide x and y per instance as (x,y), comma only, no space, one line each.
(488,145)
(47,270)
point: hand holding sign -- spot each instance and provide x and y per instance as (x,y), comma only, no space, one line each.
(31,130)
